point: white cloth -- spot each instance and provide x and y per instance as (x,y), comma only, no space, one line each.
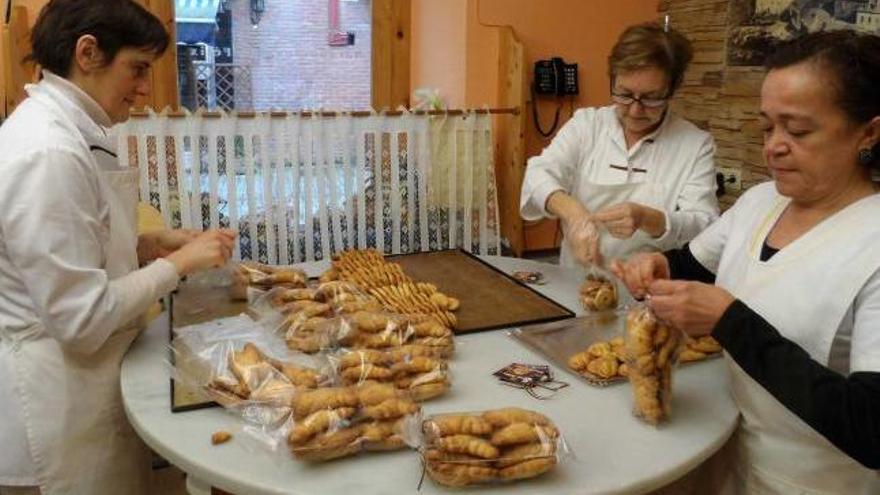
(823,284)
(55,258)
(674,164)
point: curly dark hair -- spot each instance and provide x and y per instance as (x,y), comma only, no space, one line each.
(851,59)
(116,24)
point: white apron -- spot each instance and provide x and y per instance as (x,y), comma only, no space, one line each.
(804,291)
(79,437)
(598,196)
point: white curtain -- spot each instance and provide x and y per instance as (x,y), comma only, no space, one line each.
(301,188)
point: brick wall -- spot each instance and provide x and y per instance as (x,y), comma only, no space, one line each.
(292,65)
(720,98)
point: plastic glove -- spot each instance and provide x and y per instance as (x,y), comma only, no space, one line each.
(582,236)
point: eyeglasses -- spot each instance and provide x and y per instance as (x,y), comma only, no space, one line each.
(624,99)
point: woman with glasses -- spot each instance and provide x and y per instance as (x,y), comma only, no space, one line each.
(633,172)
(788,279)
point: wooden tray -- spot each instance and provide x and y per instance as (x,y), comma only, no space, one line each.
(490,299)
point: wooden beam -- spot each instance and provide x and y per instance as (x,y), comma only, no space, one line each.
(390,53)
(163,90)
(510,141)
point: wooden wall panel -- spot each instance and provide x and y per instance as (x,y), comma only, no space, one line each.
(510,161)
(391,52)
(163,91)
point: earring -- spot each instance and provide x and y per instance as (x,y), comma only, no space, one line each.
(866,156)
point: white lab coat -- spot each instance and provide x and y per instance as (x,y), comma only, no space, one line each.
(671,170)
(70,297)
(822,292)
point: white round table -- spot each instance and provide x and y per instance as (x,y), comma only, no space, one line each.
(613,451)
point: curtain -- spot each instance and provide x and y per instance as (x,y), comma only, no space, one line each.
(300,188)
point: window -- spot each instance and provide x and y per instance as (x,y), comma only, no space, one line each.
(274,54)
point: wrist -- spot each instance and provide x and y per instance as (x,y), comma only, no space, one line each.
(180,263)
(653,221)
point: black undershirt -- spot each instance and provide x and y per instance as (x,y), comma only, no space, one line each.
(843,409)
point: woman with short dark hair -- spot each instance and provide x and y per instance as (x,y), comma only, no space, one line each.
(634,168)
(71,290)
(788,279)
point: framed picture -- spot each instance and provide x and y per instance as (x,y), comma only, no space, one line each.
(756,25)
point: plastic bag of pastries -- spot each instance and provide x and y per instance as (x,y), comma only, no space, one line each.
(652,349)
(248,366)
(330,423)
(598,293)
(410,369)
(499,445)
(250,274)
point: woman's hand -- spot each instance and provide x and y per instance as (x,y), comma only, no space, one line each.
(693,307)
(159,244)
(624,219)
(640,271)
(582,235)
(210,249)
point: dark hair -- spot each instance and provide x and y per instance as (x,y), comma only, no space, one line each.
(853,62)
(650,45)
(116,24)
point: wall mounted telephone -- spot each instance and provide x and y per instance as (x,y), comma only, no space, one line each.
(556,78)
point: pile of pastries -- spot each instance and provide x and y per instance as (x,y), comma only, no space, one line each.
(603,360)
(597,293)
(496,445)
(411,369)
(606,360)
(388,283)
(336,422)
(651,351)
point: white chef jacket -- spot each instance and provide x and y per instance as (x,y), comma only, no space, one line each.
(54,228)
(591,148)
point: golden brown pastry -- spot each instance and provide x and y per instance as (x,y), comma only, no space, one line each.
(467,444)
(503,417)
(391,408)
(519,453)
(365,372)
(579,361)
(219,437)
(455,424)
(372,394)
(307,402)
(604,367)
(527,469)
(517,433)
(454,474)
(651,348)
(319,422)
(598,293)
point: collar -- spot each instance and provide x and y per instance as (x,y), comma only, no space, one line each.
(80,98)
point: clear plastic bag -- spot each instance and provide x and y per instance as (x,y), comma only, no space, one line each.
(493,446)
(236,361)
(330,423)
(421,377)
(252,274)
(652,349)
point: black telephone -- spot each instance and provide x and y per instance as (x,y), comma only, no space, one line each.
(555,77)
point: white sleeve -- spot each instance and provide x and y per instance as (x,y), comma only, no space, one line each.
(708,245)
(865,344)
(554,169)
(696,205)
(50,217)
